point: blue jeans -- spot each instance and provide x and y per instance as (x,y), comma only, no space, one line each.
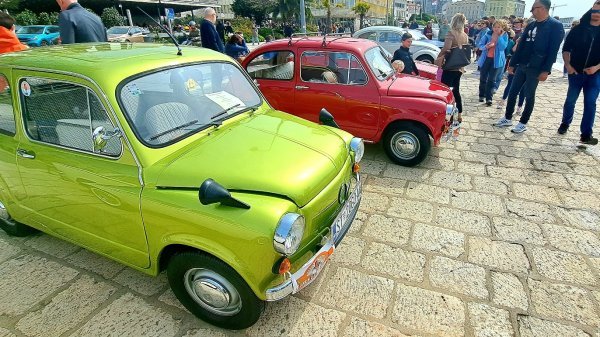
(507,89)
(591,87)
(526,79)
(487,79)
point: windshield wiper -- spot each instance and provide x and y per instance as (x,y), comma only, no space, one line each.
(174,129)
(225,111)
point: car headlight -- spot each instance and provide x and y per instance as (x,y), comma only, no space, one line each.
(288,233)
(450,109)
(358,147)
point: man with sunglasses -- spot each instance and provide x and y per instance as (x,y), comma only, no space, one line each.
(532,61)
(581,53)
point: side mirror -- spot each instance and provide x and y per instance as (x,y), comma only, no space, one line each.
(327,119)
(101,137)
(211,192)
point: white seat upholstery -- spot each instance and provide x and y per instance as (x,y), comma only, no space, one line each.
(163,117)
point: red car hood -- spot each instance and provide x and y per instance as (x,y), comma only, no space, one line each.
(413,86)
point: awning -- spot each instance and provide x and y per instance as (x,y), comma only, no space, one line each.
(177,5)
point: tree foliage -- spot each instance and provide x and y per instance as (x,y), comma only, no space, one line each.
(111,17)
(361,9)
(26,18)
(45,18)
(423,17)
(256,9)
(9,5)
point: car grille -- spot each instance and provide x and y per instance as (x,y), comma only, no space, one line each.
(24,39)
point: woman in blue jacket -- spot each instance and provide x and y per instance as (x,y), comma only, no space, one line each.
(236,47)
(492,59)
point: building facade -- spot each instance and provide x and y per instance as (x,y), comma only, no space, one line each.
(500,8)
(472,9)
(401,10)
(413,7)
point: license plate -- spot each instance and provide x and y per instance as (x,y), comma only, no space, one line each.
(344,218)
(311,270)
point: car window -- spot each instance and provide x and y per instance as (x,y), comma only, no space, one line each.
(65,114)
(378,62)
(166,106)
(331,68)
(53,30)
(389,37)
(274,65)
(369,36)
(7,116)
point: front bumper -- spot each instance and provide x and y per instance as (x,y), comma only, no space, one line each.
(311,269)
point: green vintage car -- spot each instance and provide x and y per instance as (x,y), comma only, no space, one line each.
(176,163)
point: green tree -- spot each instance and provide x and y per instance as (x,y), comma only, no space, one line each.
(45,18)
(256,9)
(422,17)
(287,9)
(26,18)
(361,9)
(9,5)
(111,17)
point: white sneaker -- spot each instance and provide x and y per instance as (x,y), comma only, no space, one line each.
(476,73)
(519,110)
(503,122)
(501,104)
(519,128)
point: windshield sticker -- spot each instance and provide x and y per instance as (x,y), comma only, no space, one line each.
(225,100)
(133,89)
(192,87)
(25,89)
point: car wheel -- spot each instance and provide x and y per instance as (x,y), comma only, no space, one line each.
(10,226)
(425,58)
(44,43)
(213,291)
(406,144)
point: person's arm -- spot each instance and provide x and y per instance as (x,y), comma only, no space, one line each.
(502,42)
(557,35)
(482,42)
(445,49)
(67,31)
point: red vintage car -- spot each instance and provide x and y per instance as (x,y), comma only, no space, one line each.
(353,79)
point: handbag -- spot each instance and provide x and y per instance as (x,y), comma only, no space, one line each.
(456,59)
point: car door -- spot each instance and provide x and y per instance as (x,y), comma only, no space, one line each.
(80,193)
(352,99)
(274,72)
(136,35)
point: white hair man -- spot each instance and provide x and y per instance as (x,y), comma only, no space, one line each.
(208,32)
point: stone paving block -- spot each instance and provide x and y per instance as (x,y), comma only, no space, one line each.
(463,221)
(452,180)
(581,219)
(498,254)
(505,161)
(586,170)
(458,276)
(6,333)
(429,312)
(67,309)
(555,156)
(438,240)
(485,148)
(95,263)
(546,179)
(508,291)
(572,240)
(26,281)
(358,223)
(385,185)
(349,251)
(470,168)
(373,202)
(7,250)
(580,199)
(169,298)
(438,163)
(552,166)
(562,266)
(141,283)
(51,245)
(295,317)
(373,167)
(480,202)
(559,301)
(531,211)
(394,262)
(536,327)
(130,316)
(511,151)
(388,229)
(358,292)
(506,173)
(478,157)
(206,332)
(517,230)
(489,321)
(362,328)
(411,209)
(584,183)
(406,173)
(491,185)
(595,263)
(445,153)
(536,193)
(436,194)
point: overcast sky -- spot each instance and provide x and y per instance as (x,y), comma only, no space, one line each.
(574,8)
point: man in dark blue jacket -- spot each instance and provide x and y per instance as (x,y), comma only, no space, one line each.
(581,53)
(77,25)
(208,32)
(532,61)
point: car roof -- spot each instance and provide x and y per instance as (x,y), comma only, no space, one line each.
(333,42)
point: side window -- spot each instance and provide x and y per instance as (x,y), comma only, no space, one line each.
(275,65)
(53,29)
(331,68)
(7,116)
(65,114)
(369,36)
(389,37)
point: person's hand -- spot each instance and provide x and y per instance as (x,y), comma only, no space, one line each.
(511,70)
(543,76)
(591,70)
(571,70)
(490,45)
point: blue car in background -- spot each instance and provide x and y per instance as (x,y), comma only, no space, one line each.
(36,36)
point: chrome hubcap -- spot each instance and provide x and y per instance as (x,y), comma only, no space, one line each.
(212,292)
(3,212)
(405,145)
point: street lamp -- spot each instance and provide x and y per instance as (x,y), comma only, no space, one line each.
(121,9)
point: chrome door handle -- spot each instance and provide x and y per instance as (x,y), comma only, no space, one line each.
(25,154)
(301,87)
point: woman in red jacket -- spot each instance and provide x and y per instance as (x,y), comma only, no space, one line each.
(8,39)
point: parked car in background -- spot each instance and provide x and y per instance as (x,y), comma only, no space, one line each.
(174,163)
(353,79)
(419,36)
(389,37)
(36,36)
(125,34)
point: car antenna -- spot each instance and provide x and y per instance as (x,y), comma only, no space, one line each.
(166,31)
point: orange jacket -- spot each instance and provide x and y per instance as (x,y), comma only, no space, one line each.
(9,41)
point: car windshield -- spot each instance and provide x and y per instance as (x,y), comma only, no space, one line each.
(417,35)
(166,106)
(378,62)
(118,30)
(30,30)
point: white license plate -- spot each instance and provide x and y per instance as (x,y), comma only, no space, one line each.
(344,218)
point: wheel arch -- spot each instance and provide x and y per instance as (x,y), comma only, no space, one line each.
(417,123)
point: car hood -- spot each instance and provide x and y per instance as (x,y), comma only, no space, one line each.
(414,86)
(272,153)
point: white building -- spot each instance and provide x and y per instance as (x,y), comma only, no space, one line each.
(500,8)
(401,10)
(472,9)
(412,7)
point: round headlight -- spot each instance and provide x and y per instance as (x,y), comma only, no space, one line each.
(358,147)
(450,109)
(288,233)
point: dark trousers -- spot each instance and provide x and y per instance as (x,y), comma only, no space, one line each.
(591,87)
(452,79)
(526,79)
(509,80)
(487,79)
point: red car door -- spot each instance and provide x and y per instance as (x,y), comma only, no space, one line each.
(338,82)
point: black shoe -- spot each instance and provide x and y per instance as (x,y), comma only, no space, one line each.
(563,128)
(589,140)
(480,99)
(488,103)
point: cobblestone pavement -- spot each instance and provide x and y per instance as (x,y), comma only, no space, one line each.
(494,235)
